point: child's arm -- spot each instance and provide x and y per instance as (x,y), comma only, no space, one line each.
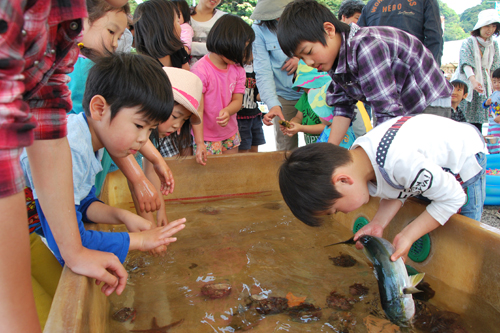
(160,166)
(201,148)
(386,211)
(161,215)
(145,192)
(233,107)
(487,103)
(99,212)
(156,237)
(338,129)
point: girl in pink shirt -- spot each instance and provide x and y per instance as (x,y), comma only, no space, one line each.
(221,72)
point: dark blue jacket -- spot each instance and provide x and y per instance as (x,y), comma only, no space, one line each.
(420,18)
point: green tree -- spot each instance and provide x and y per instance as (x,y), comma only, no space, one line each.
(241,8)
(452,29)
(468,19)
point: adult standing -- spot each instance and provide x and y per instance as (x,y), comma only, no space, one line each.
(479,57)
(274,70)
(419,18)
(203,17)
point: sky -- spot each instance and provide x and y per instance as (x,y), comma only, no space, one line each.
(460,5)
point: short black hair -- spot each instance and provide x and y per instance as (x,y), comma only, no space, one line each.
(229,37)
(305,180)
(303,20)
(460,84)
(155,30)
(130,80)
(184,10)
(350,7)
(496,73)
(477,32)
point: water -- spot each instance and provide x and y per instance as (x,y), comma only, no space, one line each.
(253,243)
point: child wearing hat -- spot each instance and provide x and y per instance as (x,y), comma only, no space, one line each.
(479,57)
(187,88)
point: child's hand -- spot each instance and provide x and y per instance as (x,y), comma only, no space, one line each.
(156,237)
(136,223)
(223,118)
(488,102)
(165,175)
(402,245)
(292,130)
(201,153)
(372,229)
(146,194)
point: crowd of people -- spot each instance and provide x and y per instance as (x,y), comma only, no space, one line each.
(362,85)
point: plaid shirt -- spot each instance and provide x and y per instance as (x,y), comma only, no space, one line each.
(386,68)
(37,50)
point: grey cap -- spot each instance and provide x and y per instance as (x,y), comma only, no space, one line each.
(267,10)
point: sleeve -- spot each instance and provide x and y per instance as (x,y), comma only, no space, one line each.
(343,105)
(240,81)
(198,69)
(187,34)
(16,124)
(263,70)
(377,79)
(80,168)
(417,173)
(433,32)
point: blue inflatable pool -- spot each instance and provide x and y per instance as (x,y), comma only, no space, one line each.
(492,181)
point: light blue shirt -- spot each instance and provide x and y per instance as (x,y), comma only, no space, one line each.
(268,58)
(86,163)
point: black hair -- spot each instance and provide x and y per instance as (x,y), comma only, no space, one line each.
(496,73)
(477,32)
(350,7)
(97,9)
(461,84)
(271,25)
(303,20)
(180,141)
(129,80)
(154,27)
(229,37)
(184,10)
(305,180)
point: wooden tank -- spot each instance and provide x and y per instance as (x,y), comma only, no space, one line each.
(464,255)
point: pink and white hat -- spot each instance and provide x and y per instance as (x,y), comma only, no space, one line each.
(187,89)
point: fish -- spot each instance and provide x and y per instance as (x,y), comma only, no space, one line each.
(394,284)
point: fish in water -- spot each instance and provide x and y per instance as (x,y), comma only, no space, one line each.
(394,284)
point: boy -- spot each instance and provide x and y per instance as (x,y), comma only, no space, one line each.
(350,11)
(460,91)
(390,163)
(126,95)
(382,66)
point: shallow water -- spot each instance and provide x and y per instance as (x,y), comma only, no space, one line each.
(255,244)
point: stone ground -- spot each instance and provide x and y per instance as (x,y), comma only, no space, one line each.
(489,216)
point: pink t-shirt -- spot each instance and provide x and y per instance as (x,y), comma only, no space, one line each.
(219,85)
(187,34)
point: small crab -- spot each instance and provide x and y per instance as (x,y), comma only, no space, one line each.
(124,314)
(285,123)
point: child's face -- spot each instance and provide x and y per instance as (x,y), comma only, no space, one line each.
(496,83)
(318,55)
(352,19)
(457,95)
(178,117)
(487,31)
(105,32)
(126,133)
(210,3)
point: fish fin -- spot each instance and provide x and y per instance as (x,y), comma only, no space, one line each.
(411,290)
(350,241)
(416,279)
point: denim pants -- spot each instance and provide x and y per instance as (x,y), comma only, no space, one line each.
(475,189)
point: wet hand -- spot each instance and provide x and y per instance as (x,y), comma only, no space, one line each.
(165,174)
(135,223)
(371,229)
(402,245)
(156,237)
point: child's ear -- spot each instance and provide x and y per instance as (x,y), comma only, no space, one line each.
(329,29)
(465,96)
(97,107)
(342,178)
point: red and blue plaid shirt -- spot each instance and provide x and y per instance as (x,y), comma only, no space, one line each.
(37,49)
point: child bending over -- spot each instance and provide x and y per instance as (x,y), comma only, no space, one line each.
(385,67)
(389,163)
(118,117)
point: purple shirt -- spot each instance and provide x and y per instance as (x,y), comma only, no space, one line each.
(387,68)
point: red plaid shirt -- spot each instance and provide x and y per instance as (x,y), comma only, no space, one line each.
(37,49)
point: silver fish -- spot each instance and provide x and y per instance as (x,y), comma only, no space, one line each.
(394,284)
